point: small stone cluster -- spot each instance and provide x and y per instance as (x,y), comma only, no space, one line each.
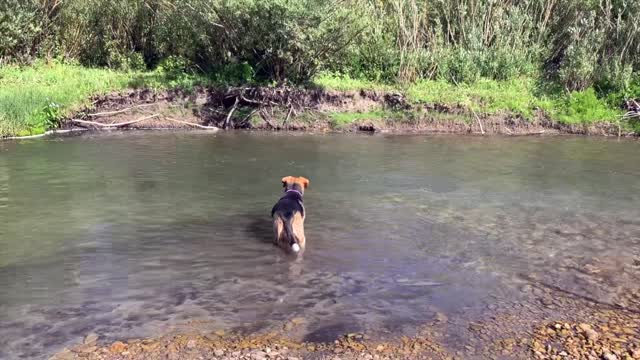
(616,338)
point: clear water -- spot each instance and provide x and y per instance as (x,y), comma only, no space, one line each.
(140,234)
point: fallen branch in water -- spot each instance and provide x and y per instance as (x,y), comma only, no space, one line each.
(107,113)
(48,132)
(86,122)
(191,124)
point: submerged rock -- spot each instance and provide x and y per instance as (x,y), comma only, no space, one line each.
(91,339)
(118,347)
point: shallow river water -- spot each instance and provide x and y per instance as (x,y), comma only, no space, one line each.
(140,234)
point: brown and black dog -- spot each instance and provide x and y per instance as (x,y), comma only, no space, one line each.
(288,215)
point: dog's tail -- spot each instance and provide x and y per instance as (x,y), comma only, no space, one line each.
(288,228)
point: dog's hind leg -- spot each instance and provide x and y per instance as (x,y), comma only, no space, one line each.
(278,230)
(298,230)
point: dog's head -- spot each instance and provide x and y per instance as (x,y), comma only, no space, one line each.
(297,183)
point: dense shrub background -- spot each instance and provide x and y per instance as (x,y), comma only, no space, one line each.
(575,44)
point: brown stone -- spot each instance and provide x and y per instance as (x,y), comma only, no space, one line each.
(65,354)
(441,317)
(86,349)
(91,339)
(592,335)
(117,347)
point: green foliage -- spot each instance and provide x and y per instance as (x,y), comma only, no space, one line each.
(583,107)
(48,117)
(129,61)
(616,93)
(286,40)
(236,73)
(458,66)
(35,98)
(342,119)
(333,81)
(577,43)
(485,96)
(18,29)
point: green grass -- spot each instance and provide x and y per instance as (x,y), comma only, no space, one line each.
(342,119)
(34,98)
(157,80)
(337,82)
(485,96)
(31,96)
(583,108)
(518,96)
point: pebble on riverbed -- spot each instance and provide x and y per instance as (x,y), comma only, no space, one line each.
(616,337)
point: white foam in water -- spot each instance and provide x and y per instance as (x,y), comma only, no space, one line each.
(295,247)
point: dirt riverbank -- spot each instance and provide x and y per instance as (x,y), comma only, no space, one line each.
(312,110)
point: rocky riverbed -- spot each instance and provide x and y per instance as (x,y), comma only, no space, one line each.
(581,330)
(218,345)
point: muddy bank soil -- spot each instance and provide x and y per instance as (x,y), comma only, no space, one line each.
(306,110)
(554,326)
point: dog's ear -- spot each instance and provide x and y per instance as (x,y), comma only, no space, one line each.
(304,181)
(286,180)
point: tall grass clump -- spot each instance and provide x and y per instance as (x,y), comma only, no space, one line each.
(35,98)
(575,43)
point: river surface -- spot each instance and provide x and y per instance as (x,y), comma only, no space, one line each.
(143,233)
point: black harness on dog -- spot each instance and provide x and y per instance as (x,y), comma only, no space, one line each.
(289,203)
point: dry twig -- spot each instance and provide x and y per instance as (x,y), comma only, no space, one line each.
(228,119)
(85,122)
(119,111)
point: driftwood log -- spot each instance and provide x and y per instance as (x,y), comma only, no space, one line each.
(127,123)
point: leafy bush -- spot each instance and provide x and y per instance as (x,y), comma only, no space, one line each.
(583,107)
(48,117)
(19,28)
(458,66)
(236,73)
(576,43)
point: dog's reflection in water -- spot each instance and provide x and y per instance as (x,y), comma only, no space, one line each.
(295,267)
(295,264)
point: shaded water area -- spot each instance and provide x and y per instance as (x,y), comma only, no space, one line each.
(140,234)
